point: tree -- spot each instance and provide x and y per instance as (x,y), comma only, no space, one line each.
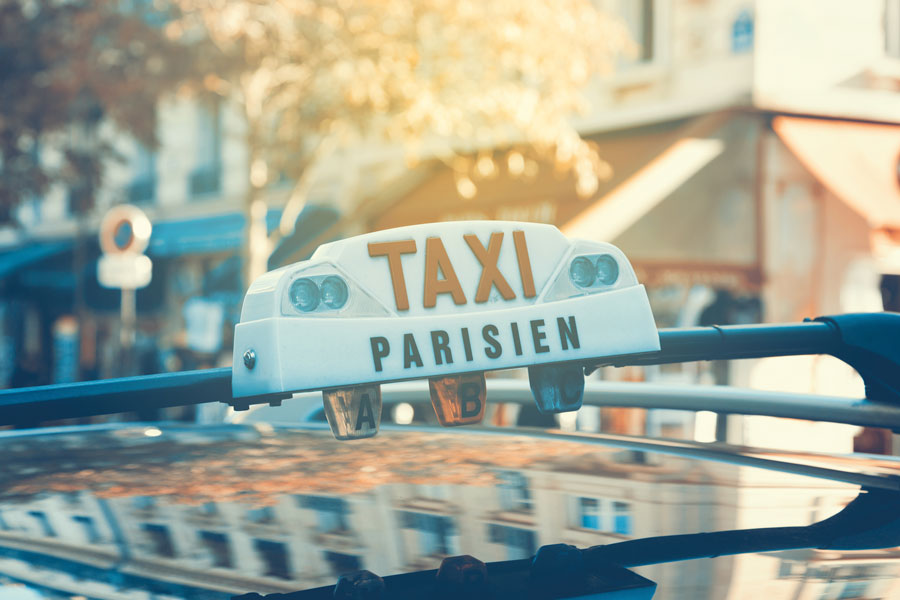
(440,78)
(65,68)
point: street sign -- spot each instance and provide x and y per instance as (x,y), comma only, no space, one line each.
(124,234)
(124,271)
(125,229)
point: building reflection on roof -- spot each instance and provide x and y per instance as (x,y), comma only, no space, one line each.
(204,512)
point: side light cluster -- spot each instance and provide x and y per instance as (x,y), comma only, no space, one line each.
(594,270)
(309,293)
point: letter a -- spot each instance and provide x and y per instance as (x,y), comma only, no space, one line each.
(365,414)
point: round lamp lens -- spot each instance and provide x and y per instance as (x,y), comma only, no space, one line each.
(334,292)
(582,272)
(607,269)
(305,295)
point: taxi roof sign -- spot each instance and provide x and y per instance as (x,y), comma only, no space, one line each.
(436,300)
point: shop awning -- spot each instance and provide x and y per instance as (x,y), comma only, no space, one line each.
(680,201)
(618,210)
(202,235)
(13,259)
(857,162)
(688,215)
(547,196)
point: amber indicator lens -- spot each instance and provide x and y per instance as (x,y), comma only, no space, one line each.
(353,412)
(557,388)
(458,399)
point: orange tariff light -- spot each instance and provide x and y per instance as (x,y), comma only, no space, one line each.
(353,412)
(459,399)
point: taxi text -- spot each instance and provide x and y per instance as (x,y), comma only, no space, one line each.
(438,262)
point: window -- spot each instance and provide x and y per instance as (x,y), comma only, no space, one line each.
(261,515)
(89,528)
(331,513)
(206,177)
(742,33)
(431,492)
(342,563)
(142,188)
(43,522)
(892,28)
(159,539)
(208,509)
(589,513)
(846,590)
(71,498)
(143,503)
(218,547)
(638,16)
(78,198)
(274,558)
(622,518)
(514,492)
(520,543)
(437,534)
(602,515)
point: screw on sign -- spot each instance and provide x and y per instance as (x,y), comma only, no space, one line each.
(444,302)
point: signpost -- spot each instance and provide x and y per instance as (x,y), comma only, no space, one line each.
(124,234)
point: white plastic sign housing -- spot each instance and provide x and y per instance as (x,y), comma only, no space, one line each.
(434,300)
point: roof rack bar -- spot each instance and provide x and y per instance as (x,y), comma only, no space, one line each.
(715,398)
(27,406)
(867,342)
(736,341)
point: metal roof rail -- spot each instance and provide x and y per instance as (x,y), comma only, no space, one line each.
(715,398)
(867,342)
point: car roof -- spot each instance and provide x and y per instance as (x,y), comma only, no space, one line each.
(175,491)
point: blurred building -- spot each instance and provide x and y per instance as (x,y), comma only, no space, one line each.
(754,147)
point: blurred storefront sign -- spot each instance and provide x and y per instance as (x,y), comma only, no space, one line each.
(729,277)
(202,235)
